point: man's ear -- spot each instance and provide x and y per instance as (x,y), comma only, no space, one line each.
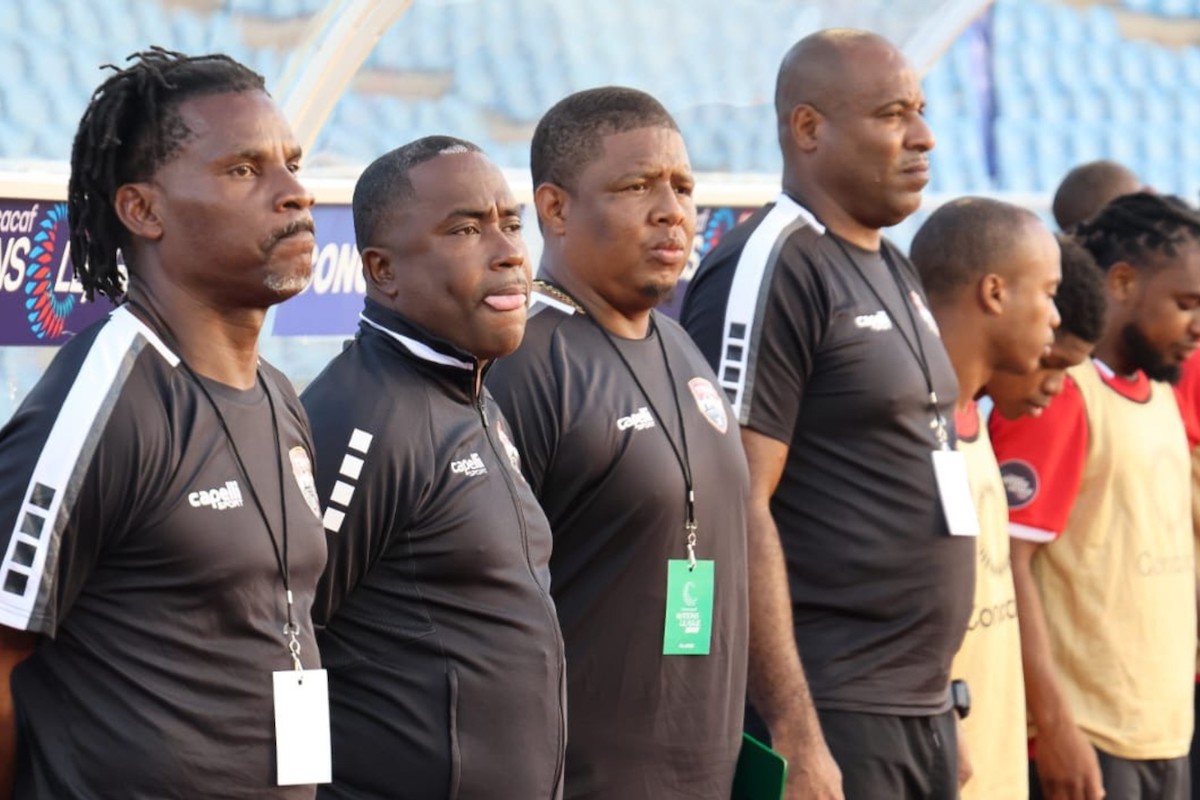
(136,205)
(378,269)
(804,125)
(1121,282)
(992,293)
(553,204)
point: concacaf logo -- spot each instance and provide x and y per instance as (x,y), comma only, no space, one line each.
(46,311)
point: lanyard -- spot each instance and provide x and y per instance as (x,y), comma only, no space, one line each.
(680,450)
(291,629)
(918,350)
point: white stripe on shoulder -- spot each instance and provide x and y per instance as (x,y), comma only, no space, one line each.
(66,455)
(739,339)
(558,305)
(1030,534)
(419,349)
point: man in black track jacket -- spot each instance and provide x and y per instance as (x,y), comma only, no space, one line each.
(434,615)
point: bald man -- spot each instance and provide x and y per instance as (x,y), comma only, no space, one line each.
(991,271)
(820,335)
(1088,188)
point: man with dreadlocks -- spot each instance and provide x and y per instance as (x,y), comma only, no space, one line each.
(162,538)
(1102,551)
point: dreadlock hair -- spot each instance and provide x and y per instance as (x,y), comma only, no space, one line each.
(1135,227)
(1080,299)
(131,127)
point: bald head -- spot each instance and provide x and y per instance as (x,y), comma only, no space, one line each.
(1088,188)
(968,238)
(817,69)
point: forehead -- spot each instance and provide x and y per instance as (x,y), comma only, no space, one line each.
(1036,255)
(654,149)
(458,180)
(233,121)
(875,73)
(1069,350)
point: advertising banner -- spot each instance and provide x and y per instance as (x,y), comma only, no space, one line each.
(40,303)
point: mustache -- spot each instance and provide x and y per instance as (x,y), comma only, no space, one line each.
(291,229)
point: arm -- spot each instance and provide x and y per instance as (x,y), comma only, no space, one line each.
(1066,761)
(15,647)
(777,686)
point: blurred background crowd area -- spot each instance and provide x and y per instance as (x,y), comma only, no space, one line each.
(1018,91)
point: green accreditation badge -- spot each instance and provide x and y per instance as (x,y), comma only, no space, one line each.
(688,630)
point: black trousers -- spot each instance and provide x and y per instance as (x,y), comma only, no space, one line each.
(881,756)
(1126,779)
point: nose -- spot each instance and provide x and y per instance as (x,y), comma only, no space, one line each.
(293,195)
(671,207)
(919,135)
(1194,324)
(509,250)
(1055,317)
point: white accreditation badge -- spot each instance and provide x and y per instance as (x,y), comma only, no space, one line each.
(954,489)
(302,748)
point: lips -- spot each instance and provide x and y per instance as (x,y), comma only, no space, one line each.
(669,251)
(508,298)
(298,229)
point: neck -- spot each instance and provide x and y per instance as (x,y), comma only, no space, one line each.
(833,216)
(963,341)
(627,324)
(1111,350)
(220,344)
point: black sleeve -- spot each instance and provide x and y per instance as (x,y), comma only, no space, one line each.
(81,457)
(369,476)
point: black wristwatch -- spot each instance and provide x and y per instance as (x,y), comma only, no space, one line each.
(960,698)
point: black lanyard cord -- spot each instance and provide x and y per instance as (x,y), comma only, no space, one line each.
(292,629)
(917,349)
(680,451)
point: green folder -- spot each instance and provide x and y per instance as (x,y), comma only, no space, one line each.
(761,772)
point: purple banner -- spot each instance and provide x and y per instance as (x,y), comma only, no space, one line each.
(40,303)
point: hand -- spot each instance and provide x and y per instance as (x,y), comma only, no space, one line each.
(812,772)
(965,768)
(1067,765)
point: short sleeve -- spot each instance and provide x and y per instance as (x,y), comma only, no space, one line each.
(75,458)
(1041,460)
(772,318)
(526,387)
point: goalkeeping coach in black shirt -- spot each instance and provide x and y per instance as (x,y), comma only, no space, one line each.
(819,332)
(435,619)
(627,441)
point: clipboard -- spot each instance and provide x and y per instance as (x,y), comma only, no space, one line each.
(761,773)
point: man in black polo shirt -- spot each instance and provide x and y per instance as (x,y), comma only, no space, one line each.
(634,455)
(820,335)
(163,541)
(439,634)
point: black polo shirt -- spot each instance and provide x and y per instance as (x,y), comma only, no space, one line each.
(814,343)
(134,547)
(595,450)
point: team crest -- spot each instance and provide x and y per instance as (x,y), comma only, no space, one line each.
(710,404)
(924,313)
(1020,483)
(302,469)
(514,455)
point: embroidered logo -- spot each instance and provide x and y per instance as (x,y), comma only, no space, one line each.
(639,420)
(221,498)
(878,322)
(709,403)
(303,472)
(514,455)
(1020,483)
(470,466)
